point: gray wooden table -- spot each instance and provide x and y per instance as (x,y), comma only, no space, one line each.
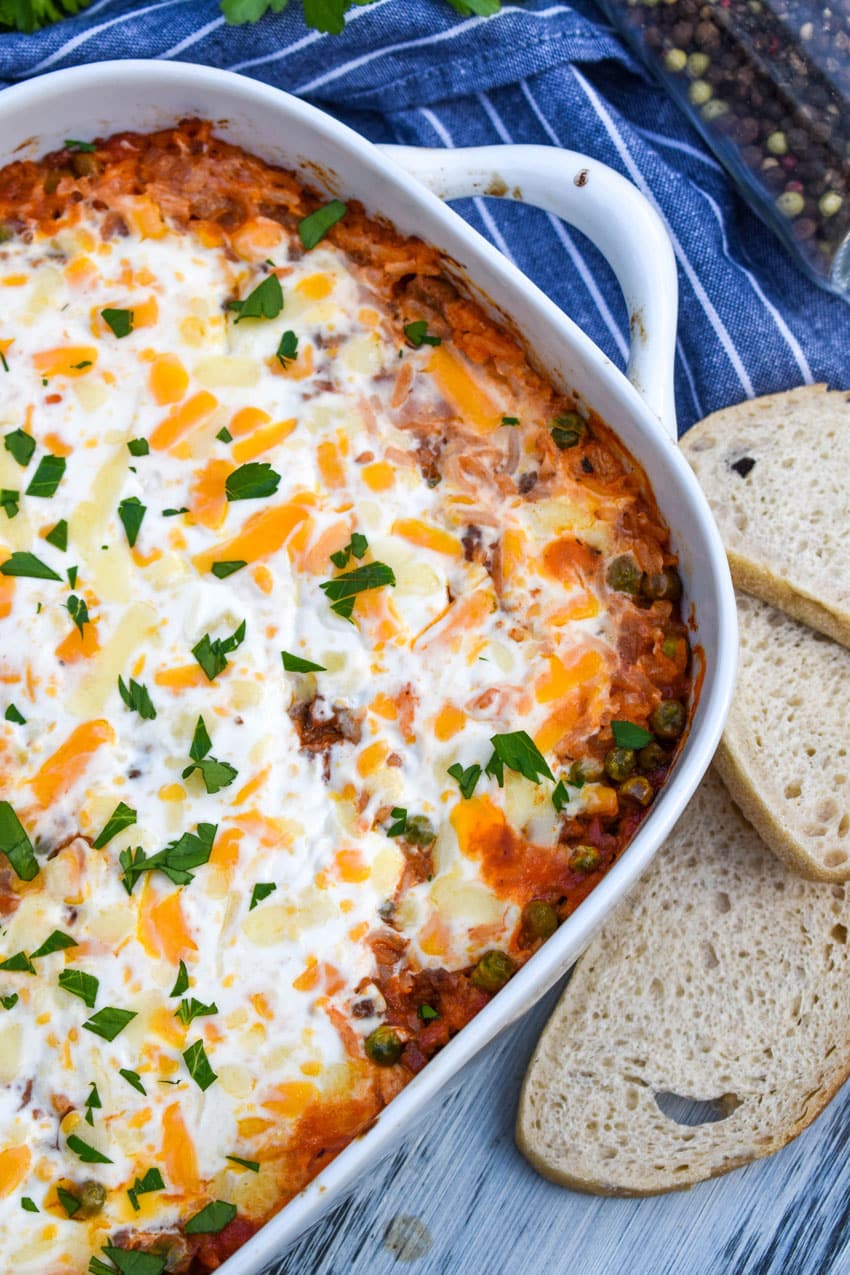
(457,1198)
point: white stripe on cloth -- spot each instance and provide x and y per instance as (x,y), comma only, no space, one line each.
(83,36)
(569,243)
(481,208)
(281,54)
(192,39)
(689,376)
(702,296)
(450,34)
(658,139)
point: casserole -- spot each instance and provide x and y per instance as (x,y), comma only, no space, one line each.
(347,166)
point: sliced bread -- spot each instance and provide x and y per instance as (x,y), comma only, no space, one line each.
(723,980)
(785,752)
(776,471)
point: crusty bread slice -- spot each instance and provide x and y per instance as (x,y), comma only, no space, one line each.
(776,471)
(722,978)
(785,752)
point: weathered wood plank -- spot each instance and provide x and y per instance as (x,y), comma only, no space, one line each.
(487,1212)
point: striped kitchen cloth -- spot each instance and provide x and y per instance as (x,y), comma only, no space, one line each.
(414,71)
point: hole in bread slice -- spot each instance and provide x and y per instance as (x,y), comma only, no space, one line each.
(694,1111)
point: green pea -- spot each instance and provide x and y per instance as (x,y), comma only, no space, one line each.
(419,832)
(539,919)
(620,763)
(492,971)
(652,756)
(662,586)
(585,859)
(668,719)
(92,1197)
(383,1046)
(624,574)
(568,430)
(637,789)
(588,771)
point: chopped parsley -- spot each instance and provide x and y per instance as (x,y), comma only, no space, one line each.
(72,576)
(176,861)
(93,1104)
(138,447)
(224,435)
(629,735)
(133,1078)
(287,349)
(137,699)
(560,796)
(123,816)
(9,1002)
(295,664)
(20,445)
(78,367)
(253,1165)
(28,1205)
(119,321)
(221,570)
(73,145)
(58,535)
(342,591)
(27,564)
(215,774)
(16,845)
(356,547)
(510,420)
(88,1154)
(78,983)
(20,963)
(417,334)
(313,228)
(70,1203)
(427,1013)
(3,362)
(131,511)
(195,1058)
(172,513)
(10,502)
(399,828)
(181,983)
(12,715)
(213,1218)
(47,477)
(78,612)
(261,891)
(211,653)
(152,1181)
(466,779)
(188,1010)
(55,942)
(518,751)
(251,481)
(265,302)
(109,1022)
(127,1262)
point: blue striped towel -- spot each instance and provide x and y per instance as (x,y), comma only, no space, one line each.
(413,71)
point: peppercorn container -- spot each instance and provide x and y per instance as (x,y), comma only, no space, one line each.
(767,84)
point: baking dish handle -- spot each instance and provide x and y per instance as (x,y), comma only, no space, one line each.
(605,207)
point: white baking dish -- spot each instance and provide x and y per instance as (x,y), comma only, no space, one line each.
(402,184)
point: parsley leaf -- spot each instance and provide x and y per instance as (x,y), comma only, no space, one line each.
(27,564)
(177,859)
(190,1009)
(215,774)
(10,502)
(93,1104)
(481,8)
(138,447)
(253,1165)
(78,983)
(265,302)
(69,1202)
(221,570)
(88,1155)
(287,349)
(133,1078)
(73,144)
(466,779)
(518,751)
(224,435)
(510,420)
(313,228)
(55,942)
(109,1022)
(120,321)
(13,715)
(417,334)
(427,1013)
(152,1181)
(29,1205)
(137,699)
(20,963)
(123,816)
(238,11)
(212,1218)
(126,1261)
(295,664)
(20,445)
(131,511)
(342,590)
(195,1058)
(16,845)
(9,1002)
(181,983)
(211,653)
(47,476)
(398,828)
(560,796)
(261,891)
(251,481)
(58,535)
(629,735)
(357,546)
(78,612)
